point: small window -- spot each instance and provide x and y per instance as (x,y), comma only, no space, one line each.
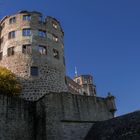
(26,17)
(55,38)
(55,53)
(26,49)
(10,51)
(1,40)
(12,20)
(78,81)
(42,49)
(26,32)
(54,25)
(34,71)
(1,55)
(12,35)
(41,19)
(42,33)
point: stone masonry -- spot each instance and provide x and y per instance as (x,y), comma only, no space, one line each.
(29,41)
(32,47)
(126,127)
(62,116)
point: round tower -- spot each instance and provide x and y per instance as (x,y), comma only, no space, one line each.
(32,47)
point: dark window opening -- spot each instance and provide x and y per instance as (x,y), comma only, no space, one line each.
(26,49)
(41,19)
(26,32)
(54,25)
(12,20)
(42,33)
(10,51)
(1,40)
(34,71)
(42,49)
(1,55)
(12,35)
(55,53)
(26,17)
(55,38)
(78,81)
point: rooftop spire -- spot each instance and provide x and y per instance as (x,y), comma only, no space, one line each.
(76,73)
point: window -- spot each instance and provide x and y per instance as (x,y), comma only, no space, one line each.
(55,53)
(0,55)
(1,40)
(54,25)
(26,49)
(12,20)
(42,33)
(26,17)
(34,71)
(42,49)
(41,19)
(26,32)
(55,38)
(10,51)
(12,35)
(78,81)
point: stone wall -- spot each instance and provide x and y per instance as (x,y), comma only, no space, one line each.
(16,119)
(56,116)
(126,127)
(69,117)
(51,70)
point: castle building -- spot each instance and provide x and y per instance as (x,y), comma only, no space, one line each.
(51,106)
(32,47)
(86,83)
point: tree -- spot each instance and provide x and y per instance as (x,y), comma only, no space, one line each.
(8,82)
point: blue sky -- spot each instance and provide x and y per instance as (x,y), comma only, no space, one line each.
(102,37)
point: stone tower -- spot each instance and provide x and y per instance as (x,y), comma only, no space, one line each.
(32,47)
(86,82)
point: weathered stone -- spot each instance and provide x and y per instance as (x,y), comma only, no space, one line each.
(56,116)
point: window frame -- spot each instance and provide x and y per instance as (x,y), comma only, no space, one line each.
(10,51)
(34,73)
(12,20)
(11,34)
(27,49)
(1,40)
(55,25)
(55,38)
(26,32)
(42,33)
(41,51)
(26,18)
(56,54)
(1,55)
(41,19)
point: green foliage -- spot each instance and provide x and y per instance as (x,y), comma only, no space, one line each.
(8,82)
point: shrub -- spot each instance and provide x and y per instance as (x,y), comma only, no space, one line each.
(8,82)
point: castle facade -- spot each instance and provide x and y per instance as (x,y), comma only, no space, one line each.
(52,106)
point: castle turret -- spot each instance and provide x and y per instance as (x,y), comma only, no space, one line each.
(86,82)
(32,47)
(111,103)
